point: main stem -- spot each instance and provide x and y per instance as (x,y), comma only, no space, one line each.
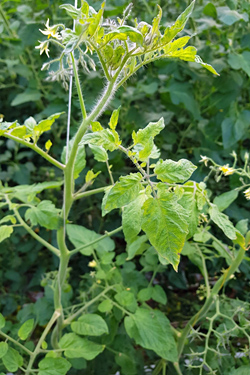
(69,188)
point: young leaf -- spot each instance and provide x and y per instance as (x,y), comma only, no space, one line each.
(53,366)
(178,26)
(114,118)
(12,360)
(90,325)
(100,154)
(44,214)
(146,136)
(107,138)
(222,221)
(105,306)
(165,222)
(26,329)
(78,347)
(5,232)
(48,145)
(71,10)
(172,171)
(45,125)
(122,193)
(90,176)
(3,348)
(132,217)
(151,330)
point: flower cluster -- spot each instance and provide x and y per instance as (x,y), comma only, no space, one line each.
(50,32)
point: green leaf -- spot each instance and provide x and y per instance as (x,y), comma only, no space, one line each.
(105,306)
(80,236)
(44,214)
(78,347)
(26,329)
(29,95)
(90,325)
(178,26)
(53,366)
(45,125)
(137,247)
(229,17)
(126,299)
(237,61)
(3,348)
(80,161)
(114,118)
(222,221)
(122,193)
(12,360)
(128,366)
(145,294)
(2,321)
(124,32)
(172,171)
(100,154)
(71,11)
(132,217)
(242,370)
(146,136)
(188,202)
(165,222)
(159,295)
(224,200)
(182,93)
(5,232)
(210,10)
(152,330)
(90,176)
(27,193)
(107,138)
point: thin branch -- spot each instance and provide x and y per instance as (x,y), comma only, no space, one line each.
(53,249)
(107,234)
(36,149)
(89,193)
(15,342)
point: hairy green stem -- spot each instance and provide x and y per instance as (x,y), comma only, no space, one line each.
(205,308)
(53,319)
(78,87)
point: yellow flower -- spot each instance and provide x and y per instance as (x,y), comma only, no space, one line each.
(227,170)
(92,264)
(247,194)
(43,46)
(51,31)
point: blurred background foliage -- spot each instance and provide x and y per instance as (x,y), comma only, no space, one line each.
(205,115)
